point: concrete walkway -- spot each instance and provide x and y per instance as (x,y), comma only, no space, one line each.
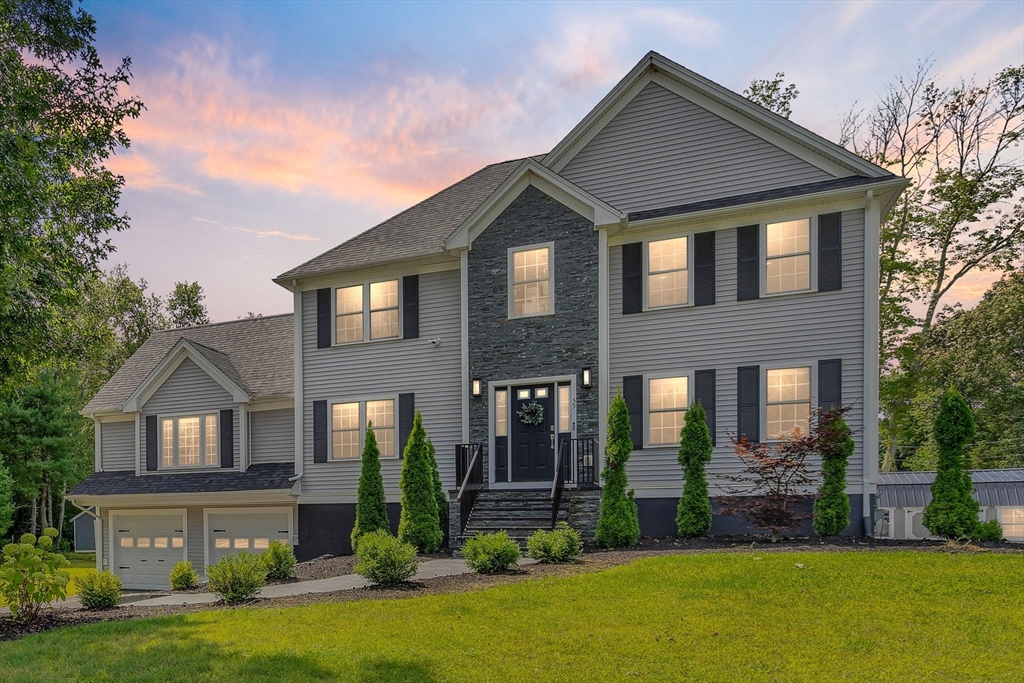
(431,569)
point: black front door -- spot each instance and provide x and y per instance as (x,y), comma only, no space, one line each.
(533,455)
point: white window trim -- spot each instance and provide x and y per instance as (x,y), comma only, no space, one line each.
(689,270)
(689,375)
(365,284)
(813,379)
(762,243)
(512,251)
(362,427)
(202,441)
(255,510)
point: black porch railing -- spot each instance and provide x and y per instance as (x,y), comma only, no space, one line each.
(578,462)
(469,472)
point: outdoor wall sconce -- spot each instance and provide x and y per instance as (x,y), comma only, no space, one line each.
(477,387)
(587,379)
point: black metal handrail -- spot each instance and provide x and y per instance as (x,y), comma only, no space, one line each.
(578,462)
(556,485)
(469,471)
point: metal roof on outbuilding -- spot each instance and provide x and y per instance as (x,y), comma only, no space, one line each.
(1002,487)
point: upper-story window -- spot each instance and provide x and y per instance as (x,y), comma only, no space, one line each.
(366,312)
(788,249)
(188,440)
(668,272)
(348,428)
(789,401)
(667,401)
(531,281)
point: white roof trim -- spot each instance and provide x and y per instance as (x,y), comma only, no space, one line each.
(165,499)
(165,368)
(528,173)
(734,107)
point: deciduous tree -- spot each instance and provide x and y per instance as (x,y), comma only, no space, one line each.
(185,307)
(772,95)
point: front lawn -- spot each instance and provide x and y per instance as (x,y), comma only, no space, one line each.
(852,616)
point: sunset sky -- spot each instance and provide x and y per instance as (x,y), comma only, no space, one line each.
(274,131)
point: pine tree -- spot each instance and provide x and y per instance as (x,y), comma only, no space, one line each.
(439,494)
(420,523)
(6,500)
(371,504)
(832,506)
(617,524)
(953,512)
(693,517)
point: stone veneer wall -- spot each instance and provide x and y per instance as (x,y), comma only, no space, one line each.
(542,346)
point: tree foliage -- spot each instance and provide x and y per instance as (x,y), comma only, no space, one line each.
(693,517)
(952,512)
(835,446)
(617,523)
(62,117)
(771,94)
(6,500)
(371,502)
(185,307)
(420,523)
(439,495)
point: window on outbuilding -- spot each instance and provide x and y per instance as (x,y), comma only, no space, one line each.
(1012,520)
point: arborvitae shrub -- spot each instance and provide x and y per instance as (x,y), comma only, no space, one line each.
(439,494)
(693,517)
(371,502)
(420,523)
(618,524)
(384,559)
(184,577)
(562,544)
(237,577)
(99,590)
(279,559)
(832,506)
(953,512)
(489,553)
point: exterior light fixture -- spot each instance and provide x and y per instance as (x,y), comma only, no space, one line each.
(587,379)
(477,387)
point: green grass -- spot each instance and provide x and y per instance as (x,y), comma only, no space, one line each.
(895,616)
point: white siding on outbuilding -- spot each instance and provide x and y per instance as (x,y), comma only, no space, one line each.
(663,150)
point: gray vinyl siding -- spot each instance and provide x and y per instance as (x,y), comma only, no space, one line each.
(196,537)
(272,436)
(663,150)
(117,446)
(386,368)
(190,390)
(799,329)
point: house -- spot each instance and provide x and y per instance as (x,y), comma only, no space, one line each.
(679,244)
(902,497)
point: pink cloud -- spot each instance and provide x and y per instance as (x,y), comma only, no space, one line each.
(278,233)
(140,173)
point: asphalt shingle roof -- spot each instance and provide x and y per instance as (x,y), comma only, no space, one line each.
(263,477)
(418,231)
(255,353)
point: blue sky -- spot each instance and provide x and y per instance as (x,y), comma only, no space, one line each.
(274,131)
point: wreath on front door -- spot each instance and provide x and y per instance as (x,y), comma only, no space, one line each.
(531,414)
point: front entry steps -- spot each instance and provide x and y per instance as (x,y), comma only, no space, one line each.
(518,512)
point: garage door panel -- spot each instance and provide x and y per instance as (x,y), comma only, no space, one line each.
(231,532)
(147,547)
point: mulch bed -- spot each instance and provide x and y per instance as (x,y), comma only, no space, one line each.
(594,559)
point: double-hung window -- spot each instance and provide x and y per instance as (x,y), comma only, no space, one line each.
(788,250)
(667,401)
(532,286)
(189,441)
(348,428)
(789,401)
(668,272)
(367,311)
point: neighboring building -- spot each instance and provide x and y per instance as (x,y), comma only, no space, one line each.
(902,497)
(679,244)
(84,526)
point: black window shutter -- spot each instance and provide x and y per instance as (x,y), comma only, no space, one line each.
(830,252)
(227,438)
(830,383)
(319,431)
(411,306)
(632,278)
(323,318)
(406,415)
(152,463)
(748,408)
(633,392)
(748,274)
(704,269)
(704,391)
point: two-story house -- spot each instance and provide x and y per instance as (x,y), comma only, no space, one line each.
(679,244)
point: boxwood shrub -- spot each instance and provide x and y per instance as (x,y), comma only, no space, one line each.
(489,553)
(184,577)
(237,577)
(99,590)
(279,559)
(384,559)
(562,544)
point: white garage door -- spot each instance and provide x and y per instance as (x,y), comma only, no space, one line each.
(146,547)
(252,531)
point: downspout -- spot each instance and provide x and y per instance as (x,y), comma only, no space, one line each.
(869,465)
